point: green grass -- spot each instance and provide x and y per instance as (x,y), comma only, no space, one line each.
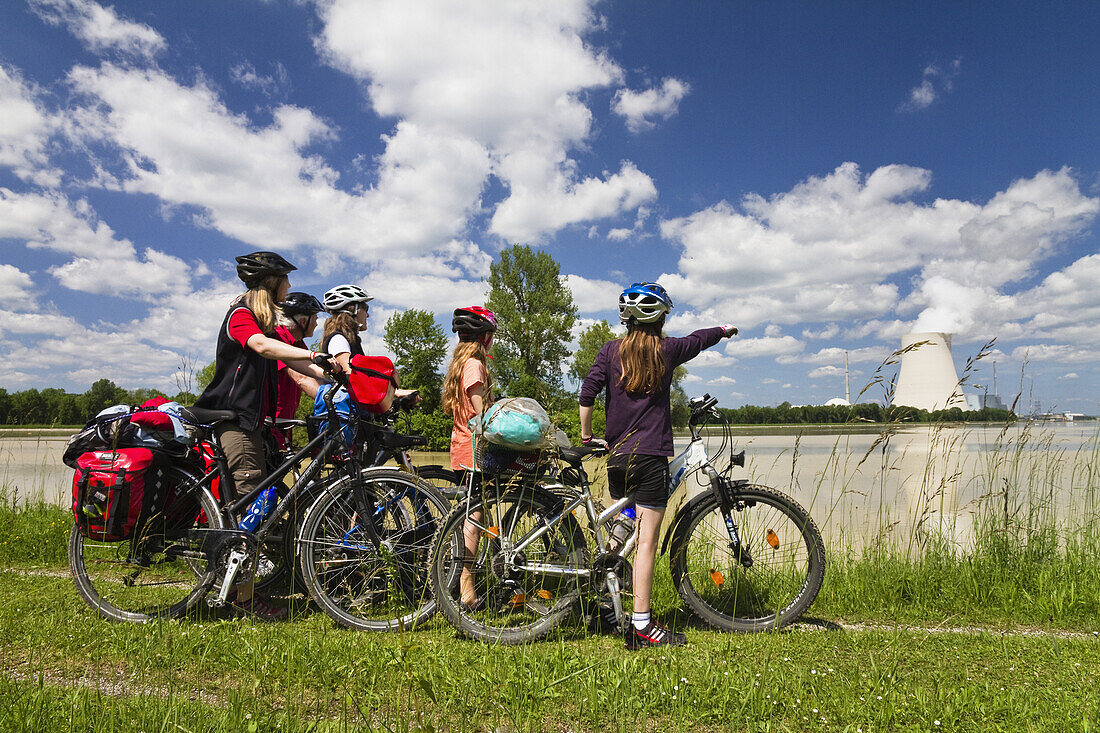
(64,669)
(1028,585)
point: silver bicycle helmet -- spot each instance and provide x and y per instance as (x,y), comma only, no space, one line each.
(341,296)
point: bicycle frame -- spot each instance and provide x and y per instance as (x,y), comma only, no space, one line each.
(692,458)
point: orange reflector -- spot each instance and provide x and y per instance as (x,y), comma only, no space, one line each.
(773,539)
(545,594)
(717,577)
(518,600)
(492,531)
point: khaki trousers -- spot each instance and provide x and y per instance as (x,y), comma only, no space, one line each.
(244,451)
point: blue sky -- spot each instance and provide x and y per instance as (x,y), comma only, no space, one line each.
(829,177)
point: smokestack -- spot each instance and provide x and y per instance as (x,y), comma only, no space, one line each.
(927,379)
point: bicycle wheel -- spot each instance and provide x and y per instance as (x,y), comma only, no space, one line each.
(443,479)
(787,561)
(155,574)
(358,584)
(277,563)
(517,601)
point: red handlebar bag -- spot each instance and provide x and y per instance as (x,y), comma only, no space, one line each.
(111,492)
(373,383)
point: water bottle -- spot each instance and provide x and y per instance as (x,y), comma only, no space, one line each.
(258,510)
(622,529)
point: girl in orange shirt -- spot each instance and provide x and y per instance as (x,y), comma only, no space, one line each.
(467,391)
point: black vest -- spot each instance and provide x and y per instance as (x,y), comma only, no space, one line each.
(243,380)
(356,345)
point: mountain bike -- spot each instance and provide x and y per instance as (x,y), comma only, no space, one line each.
(743,557)
(191,547)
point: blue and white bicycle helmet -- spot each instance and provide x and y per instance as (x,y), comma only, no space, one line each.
(644,302)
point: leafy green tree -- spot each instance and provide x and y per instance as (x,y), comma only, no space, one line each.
(102,394)
(185,398)
(142,394)
(420,345)
(679,401)
(5,406)
(589,344)
(28,408)
(205,376)
(536,312)
(60,408)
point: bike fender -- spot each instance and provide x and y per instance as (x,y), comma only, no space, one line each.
(685,512)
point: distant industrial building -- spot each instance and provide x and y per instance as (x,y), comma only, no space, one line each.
(927,379)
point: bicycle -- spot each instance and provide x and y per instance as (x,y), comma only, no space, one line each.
(743,557)
(191,545)
(381,444)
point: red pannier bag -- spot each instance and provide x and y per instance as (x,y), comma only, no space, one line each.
(373,382)
(113,491)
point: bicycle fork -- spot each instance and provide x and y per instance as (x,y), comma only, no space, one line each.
(725,502)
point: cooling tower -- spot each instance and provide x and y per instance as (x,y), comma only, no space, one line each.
(927,379)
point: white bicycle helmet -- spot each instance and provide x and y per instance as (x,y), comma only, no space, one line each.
(644,302)
(341,296)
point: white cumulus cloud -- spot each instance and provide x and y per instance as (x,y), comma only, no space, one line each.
(100,28)
(833,248)
(16,286)
(509,78)
(25,129)
(641,110)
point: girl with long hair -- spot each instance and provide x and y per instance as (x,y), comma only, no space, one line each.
(636,371)
(467,391)
(348,314)
(245,382)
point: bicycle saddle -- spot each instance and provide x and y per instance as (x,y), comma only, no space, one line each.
(203,416)
(573,456)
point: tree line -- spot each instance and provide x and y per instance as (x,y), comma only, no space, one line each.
(52,406)
(788,414)
(531,358)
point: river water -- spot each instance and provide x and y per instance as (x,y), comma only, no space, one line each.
(900,487)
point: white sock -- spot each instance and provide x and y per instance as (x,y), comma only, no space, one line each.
(640,620)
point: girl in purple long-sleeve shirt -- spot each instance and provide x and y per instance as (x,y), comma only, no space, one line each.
(637,372)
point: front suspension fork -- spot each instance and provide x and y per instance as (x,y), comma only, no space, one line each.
(724,493)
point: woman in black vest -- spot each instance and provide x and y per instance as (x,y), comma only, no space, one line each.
(244,381)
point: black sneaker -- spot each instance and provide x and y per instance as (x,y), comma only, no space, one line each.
(652,635)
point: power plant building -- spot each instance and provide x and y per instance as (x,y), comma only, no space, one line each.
(927,379)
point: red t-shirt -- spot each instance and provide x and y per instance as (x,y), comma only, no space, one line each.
(242,326)
(288,393)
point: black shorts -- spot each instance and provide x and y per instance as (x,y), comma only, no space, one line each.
(645,476)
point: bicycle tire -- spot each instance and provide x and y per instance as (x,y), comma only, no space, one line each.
(441,478)
(514,607)
(784,578)
(357,586)
(157,584)
(277,562)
